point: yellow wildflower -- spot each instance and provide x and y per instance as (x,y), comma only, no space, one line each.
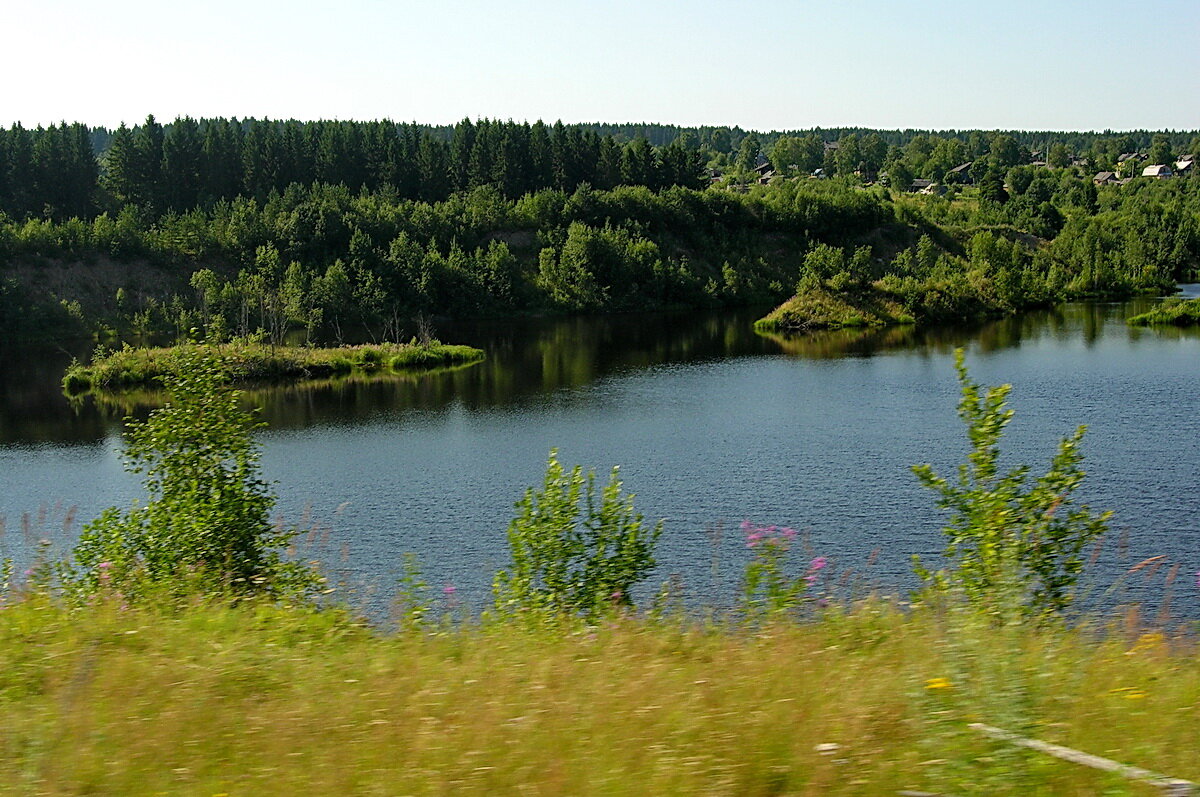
(1150,641)
(938,683)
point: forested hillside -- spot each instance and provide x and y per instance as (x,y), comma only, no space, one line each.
(353,229)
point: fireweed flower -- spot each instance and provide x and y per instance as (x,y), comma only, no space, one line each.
(449,589)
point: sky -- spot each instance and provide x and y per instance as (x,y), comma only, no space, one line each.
(773,65)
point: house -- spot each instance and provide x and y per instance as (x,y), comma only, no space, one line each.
(934,189)
(1105,178)
(1126,156)
(920,184)
(1157,171)
(961,174)
(765,172)
(1186,166)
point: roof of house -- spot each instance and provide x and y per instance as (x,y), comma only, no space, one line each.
(921,182)
(1104,177)
(962,168)
(1156,170)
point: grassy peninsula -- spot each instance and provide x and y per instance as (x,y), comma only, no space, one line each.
(1174,312)
(248,362)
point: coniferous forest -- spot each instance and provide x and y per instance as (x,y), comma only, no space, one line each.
(353,229)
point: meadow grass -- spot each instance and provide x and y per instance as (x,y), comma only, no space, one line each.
(249,362)
(260,698)
(1173,311)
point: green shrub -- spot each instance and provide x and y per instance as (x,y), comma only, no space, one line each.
(206,526)
(569,559)
(1012,549)
(77,381)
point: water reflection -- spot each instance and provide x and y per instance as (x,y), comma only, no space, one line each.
(532,358)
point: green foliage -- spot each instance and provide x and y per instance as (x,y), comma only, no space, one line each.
(410,607)
(1012,549)
(768,590)
(1173,311)
(253,361)
(206,526)
(570,559)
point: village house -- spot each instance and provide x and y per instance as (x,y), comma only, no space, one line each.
(1158,171)
(1105,178)
(765,172)
(961,174)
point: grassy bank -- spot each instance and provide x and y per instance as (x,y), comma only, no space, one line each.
(257,362)
(820,308)
(266,699)
(1175,312)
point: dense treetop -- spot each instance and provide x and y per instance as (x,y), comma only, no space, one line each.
(331,226)
(69,170)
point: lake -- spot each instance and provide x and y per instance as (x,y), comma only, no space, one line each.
(710,423)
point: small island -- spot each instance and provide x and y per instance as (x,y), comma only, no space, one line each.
(819,308)
(253,362)
(1174,311)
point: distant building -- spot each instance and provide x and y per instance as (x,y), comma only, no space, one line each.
(920,184)
(961,173)
(765,172)
(1158,171)
(1105,178)
(1185,167)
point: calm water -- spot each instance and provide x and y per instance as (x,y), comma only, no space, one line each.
(710,423)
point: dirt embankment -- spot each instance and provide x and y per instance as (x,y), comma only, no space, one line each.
(95,281)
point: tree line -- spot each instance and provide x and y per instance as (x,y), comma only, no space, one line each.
(70,170)
(54,172)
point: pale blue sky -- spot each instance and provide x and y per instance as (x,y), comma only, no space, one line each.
(773,65)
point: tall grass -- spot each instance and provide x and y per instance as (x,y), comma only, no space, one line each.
(263,699)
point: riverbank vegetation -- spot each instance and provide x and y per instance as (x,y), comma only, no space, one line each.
(1174,311)
(350,229)
(249,361)
(187,613)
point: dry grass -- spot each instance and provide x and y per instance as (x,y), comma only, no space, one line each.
(270,700)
